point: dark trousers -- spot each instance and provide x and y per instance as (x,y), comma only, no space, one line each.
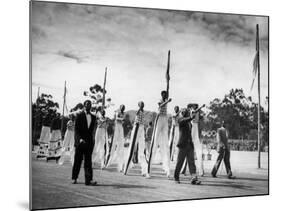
(224,154)
(188,154)
(83,151)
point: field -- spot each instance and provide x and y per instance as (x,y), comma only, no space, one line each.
(51,184)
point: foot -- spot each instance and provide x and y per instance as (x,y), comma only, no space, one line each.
(91,183)
(195,181)
(177,181)
(168,175)
(231,177)
(147,176)
(213,175)
(74,181)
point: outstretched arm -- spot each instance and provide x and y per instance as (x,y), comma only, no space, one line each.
(164,103)
(185,119)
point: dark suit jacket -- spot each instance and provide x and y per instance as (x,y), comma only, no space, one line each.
(81,130)
(184,132)
(222,137)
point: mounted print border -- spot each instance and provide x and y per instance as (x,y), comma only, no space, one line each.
(142,105)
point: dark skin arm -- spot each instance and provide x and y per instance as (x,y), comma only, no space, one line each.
(164,103)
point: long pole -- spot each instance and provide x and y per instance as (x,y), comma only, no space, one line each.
(168,74)
(64,95)
(259,117)
(104,83)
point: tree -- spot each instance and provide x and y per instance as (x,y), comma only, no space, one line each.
(43,106)
(95,94)
(237,111)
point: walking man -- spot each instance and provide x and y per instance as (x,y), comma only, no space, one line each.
(185,148)
(84,144)
(224,152)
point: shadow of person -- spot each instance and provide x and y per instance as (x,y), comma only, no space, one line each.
(118,186)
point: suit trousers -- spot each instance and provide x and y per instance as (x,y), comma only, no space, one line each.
(224,154)
(83,151)
(187,153)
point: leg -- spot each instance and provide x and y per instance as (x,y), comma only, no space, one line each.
(218,162)
(154,147)
(78,157)
(199,162)
(141,148)
(97,147)
(226,160)
(180,160)
(164,145)
(183,170)
(115,141)
(190,159)
(88,164)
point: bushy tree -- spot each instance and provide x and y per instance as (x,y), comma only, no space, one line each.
(95,94)
(239,113)
(43,107)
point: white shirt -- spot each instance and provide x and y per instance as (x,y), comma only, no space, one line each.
(89,119)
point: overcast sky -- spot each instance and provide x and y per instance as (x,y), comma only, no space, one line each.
(210,53)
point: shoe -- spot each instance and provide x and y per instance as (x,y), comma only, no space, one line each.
(177,181)
(195,181)
(213,175)
(91,183)
(168,175)
(74,181)
(147,176)
(231,177)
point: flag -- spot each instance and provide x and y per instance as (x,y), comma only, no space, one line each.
(256,59)
(255,69)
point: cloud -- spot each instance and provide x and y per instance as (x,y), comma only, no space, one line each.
(239,29)
(38,33)
(210,53)
(71,55)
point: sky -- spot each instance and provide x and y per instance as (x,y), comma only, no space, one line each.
(210,53)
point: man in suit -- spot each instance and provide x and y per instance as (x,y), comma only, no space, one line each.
(84,143)
(185,148)
(224,152)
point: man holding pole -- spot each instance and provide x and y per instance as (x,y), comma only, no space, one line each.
(185,148)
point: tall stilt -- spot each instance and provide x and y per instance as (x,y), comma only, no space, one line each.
(259,118)
(64,95)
